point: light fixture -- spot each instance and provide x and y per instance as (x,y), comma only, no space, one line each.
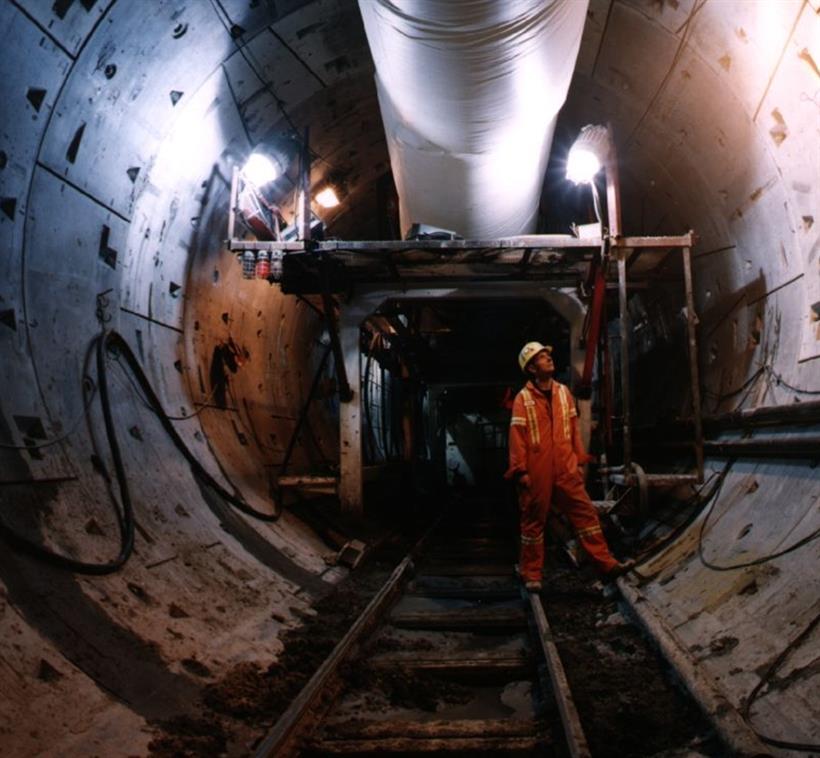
(261,169)
(588,153)
(327,197)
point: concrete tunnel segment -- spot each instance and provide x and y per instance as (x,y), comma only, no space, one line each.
(120,127)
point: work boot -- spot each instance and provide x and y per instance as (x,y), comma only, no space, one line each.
(620,568)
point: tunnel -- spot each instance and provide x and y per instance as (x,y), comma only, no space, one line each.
(192,472)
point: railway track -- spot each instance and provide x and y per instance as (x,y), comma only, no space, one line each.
(450,656)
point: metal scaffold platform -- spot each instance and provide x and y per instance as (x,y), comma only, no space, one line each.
(593,265)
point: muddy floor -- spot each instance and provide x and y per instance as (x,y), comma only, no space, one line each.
(233,714)
(626,696)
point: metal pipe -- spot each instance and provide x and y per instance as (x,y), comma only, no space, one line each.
(613,188)
(774,415)
(764,447)
(694,378)
(624,326)
(729,724)
(233,204)
(805,447)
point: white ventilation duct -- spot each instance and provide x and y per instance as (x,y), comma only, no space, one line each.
(469,93)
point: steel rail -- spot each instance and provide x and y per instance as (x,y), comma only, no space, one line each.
(732,730)
(573,731)
(281,739)
(310,706)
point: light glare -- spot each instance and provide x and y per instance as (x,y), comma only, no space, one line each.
(327,198)
(260,169)
(582,165)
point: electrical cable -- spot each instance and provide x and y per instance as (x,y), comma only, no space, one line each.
(699,502)
(779,379)
(125,513)
(720,397)
(757,561)
(116,340)
(766,678)
(201,403)
(745,564)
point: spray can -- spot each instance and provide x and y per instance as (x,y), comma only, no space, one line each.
(262,264)
(248,264)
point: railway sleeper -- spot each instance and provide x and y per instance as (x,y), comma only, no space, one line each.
(465,736)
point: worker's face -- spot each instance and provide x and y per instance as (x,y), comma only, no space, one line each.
(542,366)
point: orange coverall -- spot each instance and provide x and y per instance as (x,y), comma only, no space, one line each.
(545,443)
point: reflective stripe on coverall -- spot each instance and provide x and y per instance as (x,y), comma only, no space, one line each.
(545,443)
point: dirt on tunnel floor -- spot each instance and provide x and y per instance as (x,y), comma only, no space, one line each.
(625,693)
(626,697)
(235,711)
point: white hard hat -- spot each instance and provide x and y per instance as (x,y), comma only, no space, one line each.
(529,351)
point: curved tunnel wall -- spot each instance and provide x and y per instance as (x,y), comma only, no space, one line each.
(120,129)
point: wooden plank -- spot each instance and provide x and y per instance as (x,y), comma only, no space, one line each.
(466,593)
(465,569)
(297,480)
(573,731)
(468,662)
(278,741)
(471,619)
(487,554)
(684,240)
(467,745)
(459,728)
(657,480)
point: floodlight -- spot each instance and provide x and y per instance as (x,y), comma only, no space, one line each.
(327,198)
(261,169)
(587,154)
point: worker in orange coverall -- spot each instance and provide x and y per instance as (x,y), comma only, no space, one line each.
(546,459)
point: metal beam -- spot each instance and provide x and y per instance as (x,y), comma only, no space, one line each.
(524,242)
(351,482)
(773,447)
(694,377)
(636,243)
(624,330)
(729,724)
(573,731)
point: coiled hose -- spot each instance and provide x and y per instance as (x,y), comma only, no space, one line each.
(112,340)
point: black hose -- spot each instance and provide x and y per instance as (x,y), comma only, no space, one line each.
(755,561)
(699,503)
(125,514)
(116,340)
(766,678)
